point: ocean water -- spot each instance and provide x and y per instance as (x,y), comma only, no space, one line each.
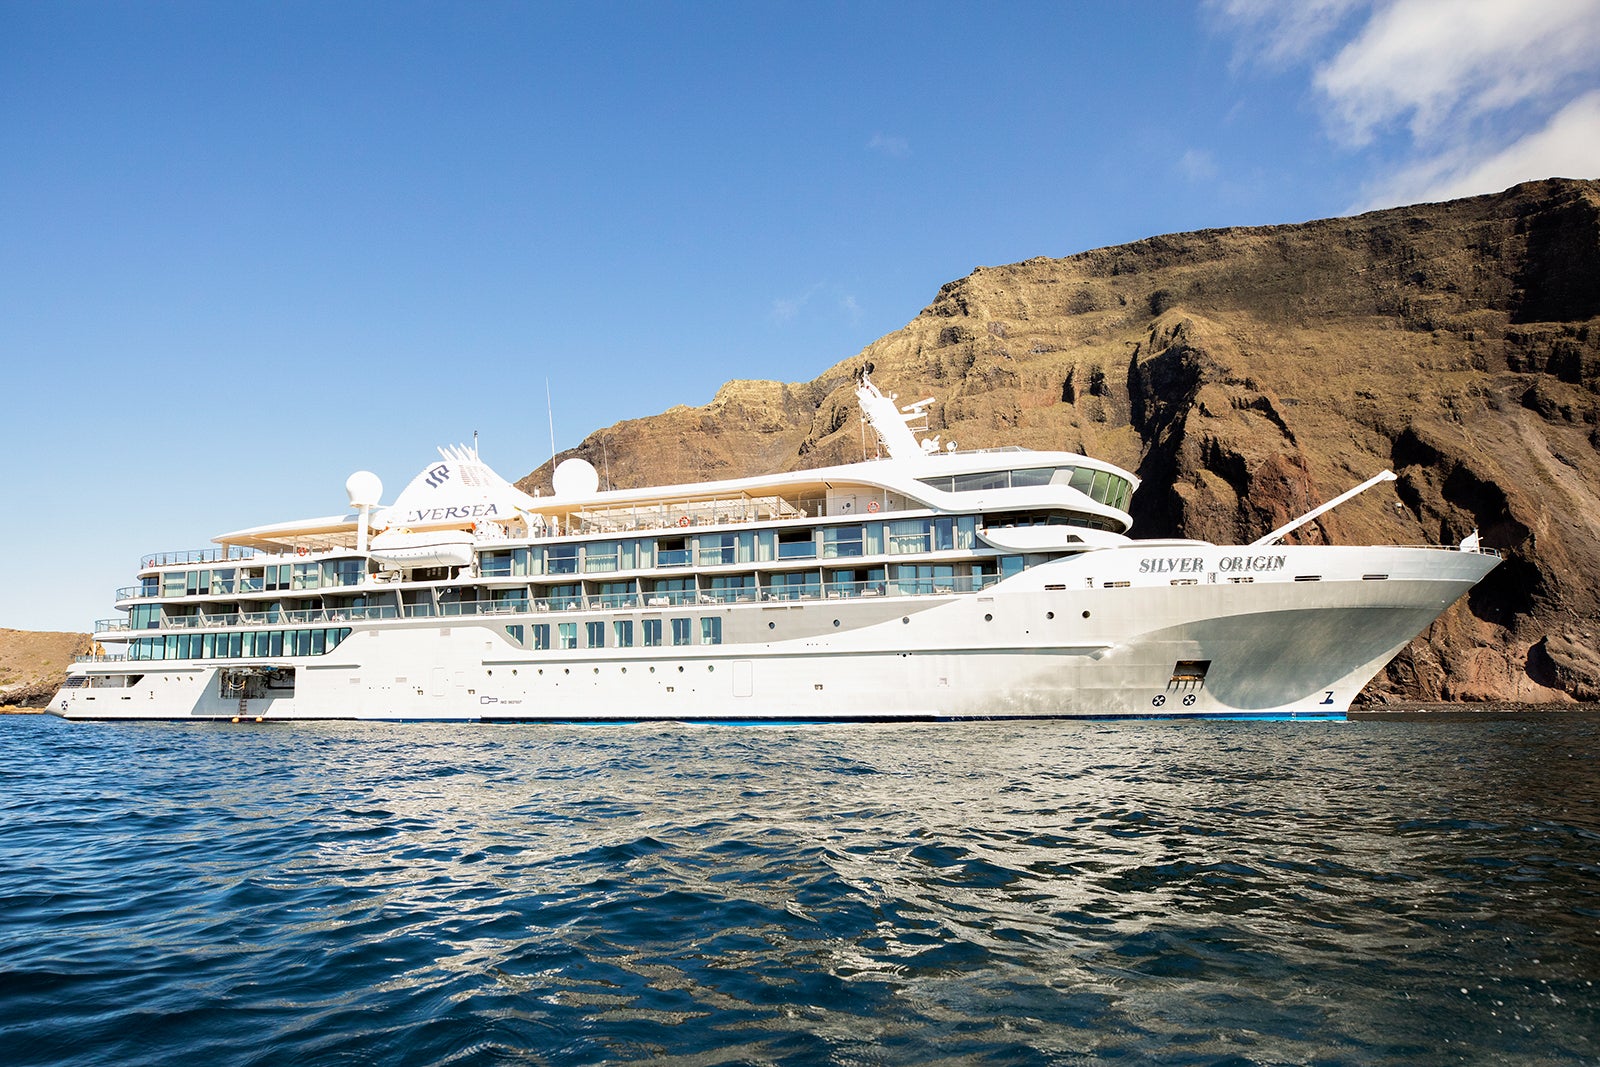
(1395,892)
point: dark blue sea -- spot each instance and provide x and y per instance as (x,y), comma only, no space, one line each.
(1422,891)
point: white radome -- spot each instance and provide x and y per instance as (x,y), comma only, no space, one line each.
(364,488)
(575,477)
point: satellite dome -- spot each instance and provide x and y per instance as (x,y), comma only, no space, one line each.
(364,489)
(575,477)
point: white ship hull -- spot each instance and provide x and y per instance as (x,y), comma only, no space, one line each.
(1109,633)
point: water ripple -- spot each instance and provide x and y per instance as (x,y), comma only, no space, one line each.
(1394,893)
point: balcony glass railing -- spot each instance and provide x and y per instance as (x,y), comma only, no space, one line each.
(197,555)
(666,598)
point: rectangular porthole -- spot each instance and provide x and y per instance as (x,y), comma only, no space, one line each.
(1117,585)
(1374,577)
(1308,577)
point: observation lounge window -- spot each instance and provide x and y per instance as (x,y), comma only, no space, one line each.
(972,483)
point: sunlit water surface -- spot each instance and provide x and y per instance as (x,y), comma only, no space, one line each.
(1410,892)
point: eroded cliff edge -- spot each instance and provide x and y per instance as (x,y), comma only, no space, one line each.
(1247,374)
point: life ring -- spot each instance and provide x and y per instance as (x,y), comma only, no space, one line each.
(302,551)
(683,520)
(872,505)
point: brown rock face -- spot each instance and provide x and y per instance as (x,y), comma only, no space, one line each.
(32,665)
(1248,374)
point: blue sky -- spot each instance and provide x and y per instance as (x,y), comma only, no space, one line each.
(248,248)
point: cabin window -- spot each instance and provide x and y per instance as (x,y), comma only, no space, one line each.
(717,550)
(566,635)
(842,541)
(710,630)
(797,544)
(174,583)
(680,631)
(731,588)
(652,633)
(673,552)
(511,599)
(623,630)
(617,595)
(601,556)
(541,636)
(863,581)
(561,559)
(921,579)
(596,635)
(306,576)
(795,585)
(564,597)
(908,535)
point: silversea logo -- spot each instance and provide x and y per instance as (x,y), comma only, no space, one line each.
(1196,564)
(475,511)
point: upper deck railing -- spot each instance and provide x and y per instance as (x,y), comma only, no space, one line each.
(198,555)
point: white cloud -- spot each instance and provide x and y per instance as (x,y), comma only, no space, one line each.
(1197,165)
(1446,98)
(1282,34)
(1439,64)
(1568,146)
(890,145)
(788,308)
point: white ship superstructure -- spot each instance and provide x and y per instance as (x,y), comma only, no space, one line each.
(930,584)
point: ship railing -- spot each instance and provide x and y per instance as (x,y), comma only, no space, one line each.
(100,657)
(129,592)
(198,555)
(946,585)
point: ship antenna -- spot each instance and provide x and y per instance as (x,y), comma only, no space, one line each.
(550,411)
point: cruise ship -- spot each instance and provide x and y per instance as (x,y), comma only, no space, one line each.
(926,584)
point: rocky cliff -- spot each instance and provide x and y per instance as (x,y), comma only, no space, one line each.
(1247,374)
(33,664)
